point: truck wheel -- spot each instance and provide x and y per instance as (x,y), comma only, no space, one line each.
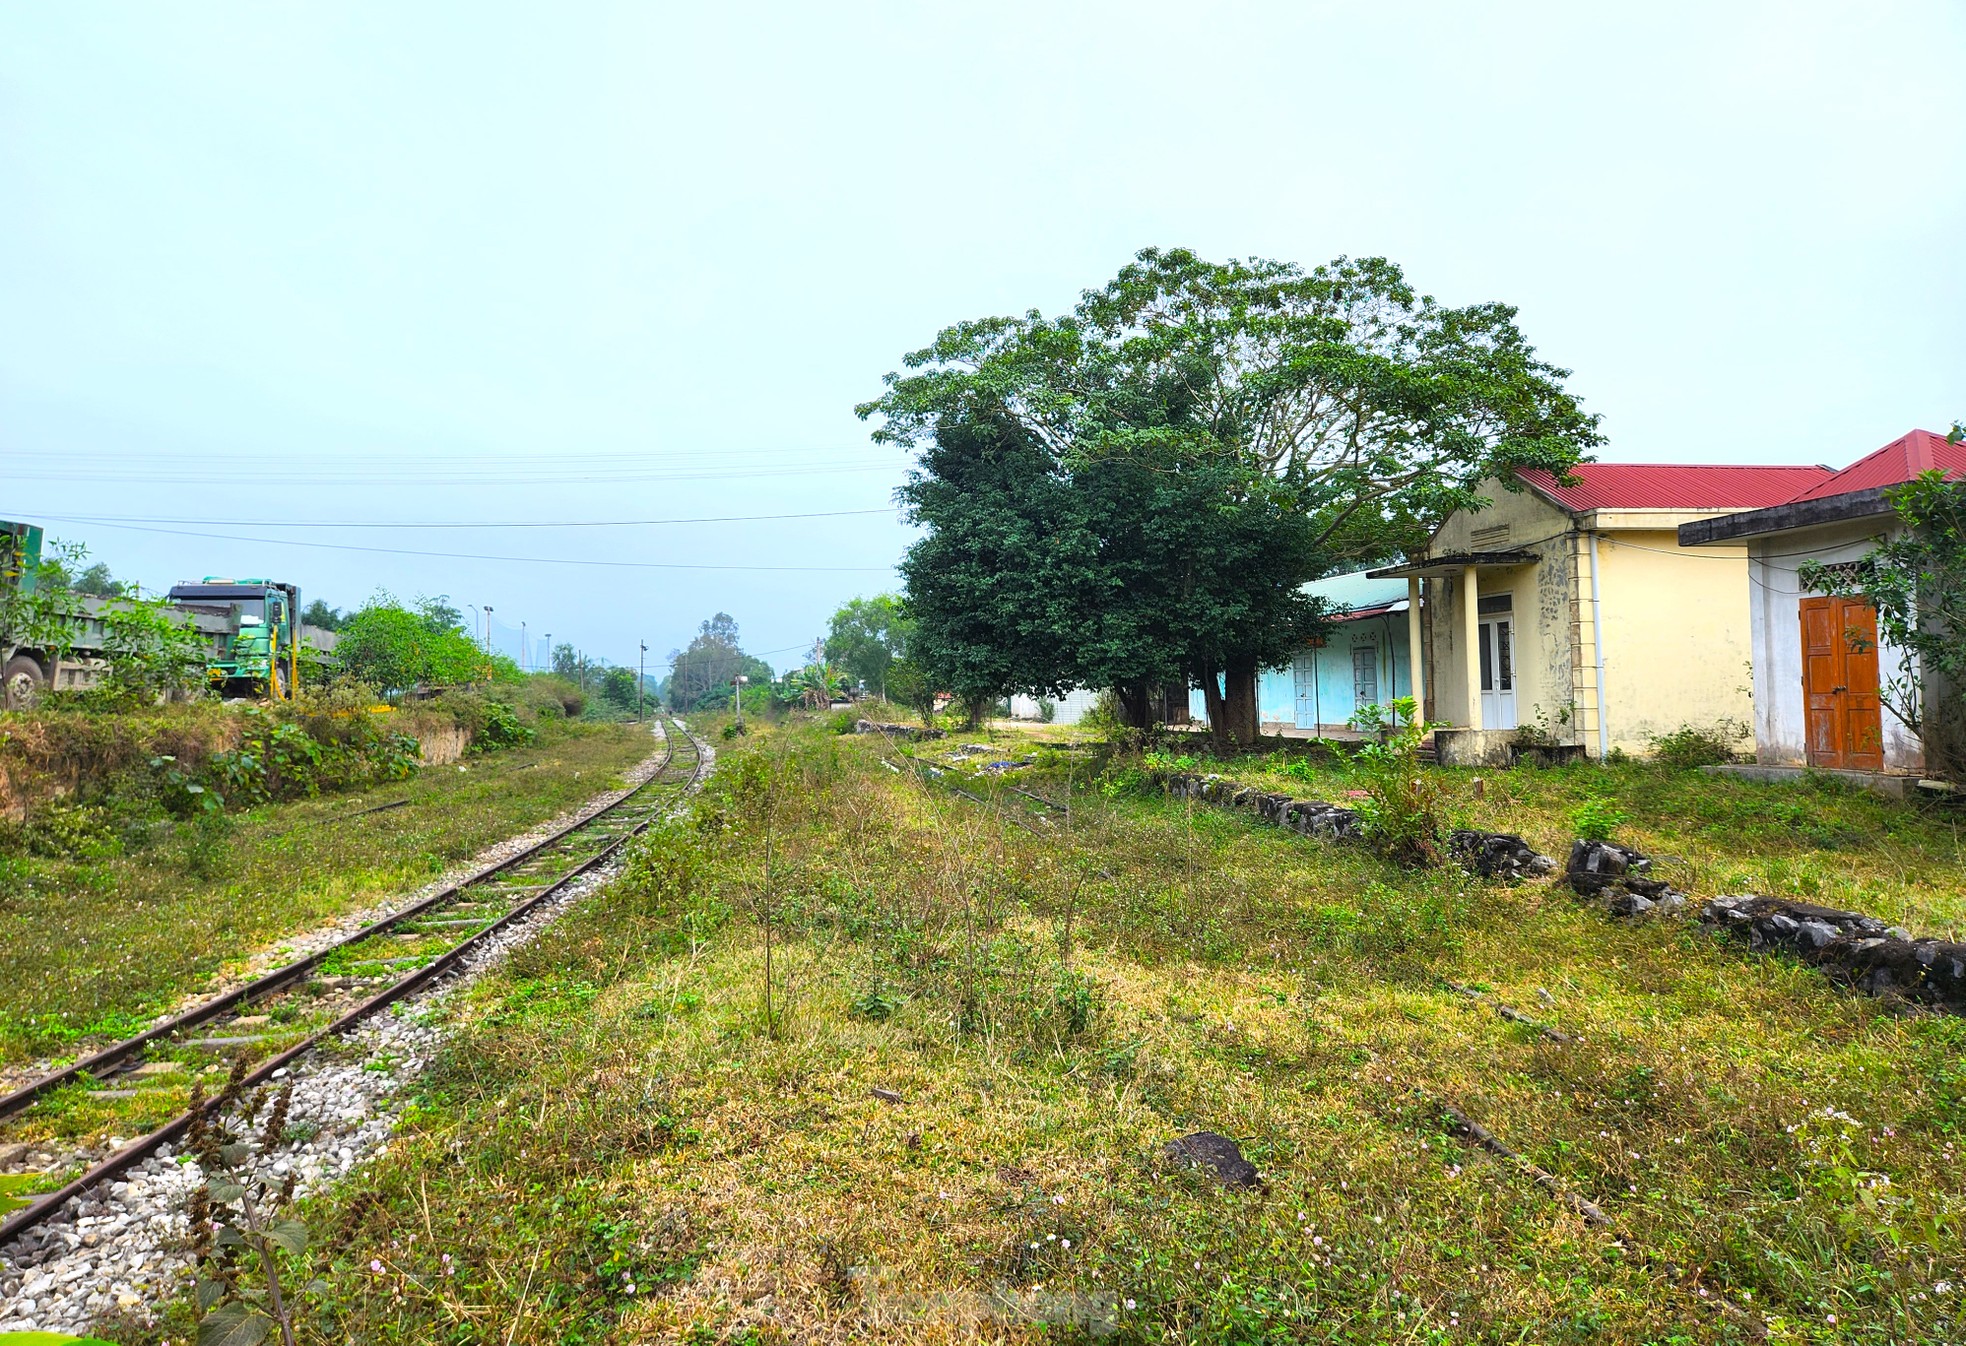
(278,683)
(24,682)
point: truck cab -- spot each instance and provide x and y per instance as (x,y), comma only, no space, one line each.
(254,627)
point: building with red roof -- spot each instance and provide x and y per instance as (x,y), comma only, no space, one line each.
(1828,692)
(1564,615)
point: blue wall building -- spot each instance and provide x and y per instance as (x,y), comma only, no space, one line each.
(1363,660)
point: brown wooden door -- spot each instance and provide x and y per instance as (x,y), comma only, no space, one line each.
(1844,725)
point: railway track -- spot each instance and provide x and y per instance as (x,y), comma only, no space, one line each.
(274,1020)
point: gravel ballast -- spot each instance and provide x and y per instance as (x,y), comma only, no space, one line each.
(121,1251)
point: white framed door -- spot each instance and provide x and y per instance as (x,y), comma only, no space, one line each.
(1497,649)
(1303,670)
(1365,676)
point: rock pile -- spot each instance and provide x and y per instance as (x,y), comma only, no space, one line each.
(1309,817)
(1858,950)
(1497,855)
(1617,876)
(907,731)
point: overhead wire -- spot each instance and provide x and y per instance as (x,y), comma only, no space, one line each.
(495,556)
(463,523)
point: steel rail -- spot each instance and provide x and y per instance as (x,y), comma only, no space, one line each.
(117,1053)
(143,1147)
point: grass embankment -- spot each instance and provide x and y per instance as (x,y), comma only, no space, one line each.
(621,1146)
(1817,840)
(95,947)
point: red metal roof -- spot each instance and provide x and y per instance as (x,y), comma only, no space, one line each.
(1675,485)
(1900,460)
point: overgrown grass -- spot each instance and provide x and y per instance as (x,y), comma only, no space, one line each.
(93,942)
(620,1145)
(1816,840)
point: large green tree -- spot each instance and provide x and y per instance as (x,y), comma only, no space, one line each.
(866,636)
(1341,393)
(700,676)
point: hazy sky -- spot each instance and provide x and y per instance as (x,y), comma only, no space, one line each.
(422,263)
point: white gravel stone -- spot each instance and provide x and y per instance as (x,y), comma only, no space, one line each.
(130,1240)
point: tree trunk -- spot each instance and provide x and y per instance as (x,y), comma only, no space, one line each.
(1239,707)
(1135,708)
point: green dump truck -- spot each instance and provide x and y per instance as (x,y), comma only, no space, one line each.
(41,647)
(255,630)
(253,626)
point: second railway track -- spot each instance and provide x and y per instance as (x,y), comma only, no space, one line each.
(282,1015)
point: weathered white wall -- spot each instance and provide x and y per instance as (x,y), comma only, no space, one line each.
(1775,616)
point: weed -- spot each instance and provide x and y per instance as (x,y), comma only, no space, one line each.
(1597,819)
(1690,746)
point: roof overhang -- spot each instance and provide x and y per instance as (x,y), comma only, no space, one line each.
(1453,563)
(1865,504)
(1369,611)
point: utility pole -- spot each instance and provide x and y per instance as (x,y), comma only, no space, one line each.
(525,647)
(737,687)
(641,679)
(549,653)
(488,612)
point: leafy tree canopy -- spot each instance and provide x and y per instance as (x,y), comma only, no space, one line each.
(866,636)
(396,648)
(319,615)
(1156,473)
(700,677)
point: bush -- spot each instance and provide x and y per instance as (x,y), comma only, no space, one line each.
(491,724)
(1401,811)
(550,689)
(842,721)
(1689,747)
(1597,818)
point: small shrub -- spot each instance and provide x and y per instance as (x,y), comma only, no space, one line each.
(1688,746)
(1598,819)
(734,730)
(878,1004)
(841,721)
(1103,719)
(1401,810)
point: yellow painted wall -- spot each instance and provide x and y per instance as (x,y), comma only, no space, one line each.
(1678,643)
(1676,622)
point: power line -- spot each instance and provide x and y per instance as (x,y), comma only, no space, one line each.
(497,523)
(488,556)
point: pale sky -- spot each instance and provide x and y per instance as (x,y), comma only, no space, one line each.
(265,263)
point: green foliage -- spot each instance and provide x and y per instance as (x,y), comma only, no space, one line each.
(700,677)
(1916,581)
(319,615)
(1401,809)
(244,1237)
(879,1003)
(908,685)
(1691,746)
(97,582)
(400,649)
(842,721)
(866,636)
(1165,764)
(1131,495)
(1598,819)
